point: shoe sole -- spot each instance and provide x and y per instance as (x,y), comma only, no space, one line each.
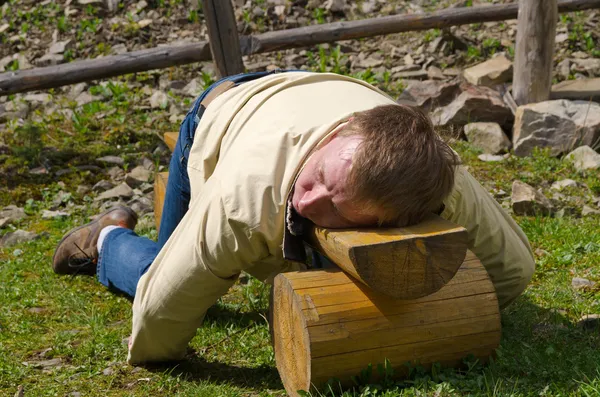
(128,210)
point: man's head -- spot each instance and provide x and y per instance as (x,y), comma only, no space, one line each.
(387,166)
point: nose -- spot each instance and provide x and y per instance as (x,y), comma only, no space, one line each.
(312,201)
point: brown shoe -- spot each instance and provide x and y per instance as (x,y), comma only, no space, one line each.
(77,252)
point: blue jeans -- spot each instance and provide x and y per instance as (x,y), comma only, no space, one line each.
(125,257)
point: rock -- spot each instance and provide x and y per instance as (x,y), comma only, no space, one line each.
(116,173)
(37,99)
(429,94)
(17,237)
(408,60)
(141,205)
(588,65)
(118,49)
(147,163)
(144,23)
(497,70)
(564,71)
(487,136)
(60,47)
(559,125)
(587,210)
(84,98)
(111,160)
(46,214)
(159,100)
(415,74)
(11,214)
(137,176)
(108,371)
(582,283)
(86,2)
(525,200)
(75,394)
(47,364)
(335,5)
(121,191)
(84,189)
(589,322)
(50,60)
(146,188)
(491,158)
(60,199)
(193,88)
(560,185)
(474,104)
(584,89)
(102,186)
(435,73)
(13,111)
(584,158)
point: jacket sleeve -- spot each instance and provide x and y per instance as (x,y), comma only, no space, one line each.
(494,237)
(199,263)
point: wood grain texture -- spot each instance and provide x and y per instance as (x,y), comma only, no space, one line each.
(170,139)
(534,51)
(340,327)
(160,189)
(404,263)
(223,36)
(167,56)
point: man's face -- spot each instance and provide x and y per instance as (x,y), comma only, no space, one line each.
(320,190)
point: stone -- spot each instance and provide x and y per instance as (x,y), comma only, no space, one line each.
(559,125)
(37,99)
(491,158)
(121,191)
(159,100)
(84,98)
(194,88)
(11,214)
(111,160)
(108,371)
(492,72)
(61,199)
(50,60)
(429,94)
(335,5)
(147,163)
(582,283)
(144,23)
(487,136)
(588,65)
(584,89)
(46,214)
(137,176)
(146,188)
(525,200)
(86,2)
(415,74)
(13,111)
(564,70)
(560,185)
(116,173)
(102,186)
(584,158)
(83,190)
(587,210)
(60,47)
(118,49)
(435,73)
(474,104)
(408,60)
(589,322)
(17,237)
(141,205)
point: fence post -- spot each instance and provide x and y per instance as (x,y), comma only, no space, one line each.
(534,50)
(223,36)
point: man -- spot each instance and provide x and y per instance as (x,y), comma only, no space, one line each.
(253,163)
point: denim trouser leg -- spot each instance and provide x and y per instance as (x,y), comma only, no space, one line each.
(124,258)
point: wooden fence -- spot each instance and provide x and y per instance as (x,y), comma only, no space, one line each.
(533,55)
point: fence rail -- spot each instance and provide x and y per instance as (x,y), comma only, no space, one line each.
(167,56)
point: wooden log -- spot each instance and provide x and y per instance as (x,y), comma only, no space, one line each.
(167,56)
(534,51)
(160,189)
(223,36)
(326,325)
(170,139)
(404,263)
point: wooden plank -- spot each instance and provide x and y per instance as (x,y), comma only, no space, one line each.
(167,56)
(170,139)
(160,189)
(404,263)
(223,36)
(534,51)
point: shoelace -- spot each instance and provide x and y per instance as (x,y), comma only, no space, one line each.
(78,263)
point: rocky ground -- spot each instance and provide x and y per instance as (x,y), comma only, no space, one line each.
(67,153)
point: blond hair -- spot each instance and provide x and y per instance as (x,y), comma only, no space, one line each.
(402,168)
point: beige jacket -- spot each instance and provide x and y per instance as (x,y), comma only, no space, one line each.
(248,149)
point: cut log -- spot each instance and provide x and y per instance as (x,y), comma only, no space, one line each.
(167,56)
(170,139)
(326,325)
(404,263)
(223,36)
(160,189)
(534,50)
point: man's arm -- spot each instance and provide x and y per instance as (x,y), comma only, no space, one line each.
(199,263)
(494,236)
